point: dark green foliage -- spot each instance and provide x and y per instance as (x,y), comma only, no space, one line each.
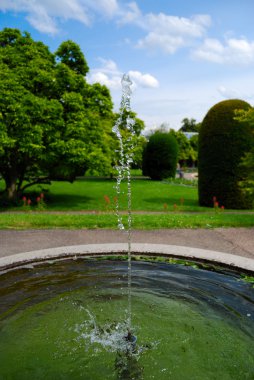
(223,141)
(53,124)
(247,184)
(70,54)
(189,125)
(160,156)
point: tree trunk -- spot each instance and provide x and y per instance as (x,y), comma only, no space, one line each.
(12,191)
(11,185)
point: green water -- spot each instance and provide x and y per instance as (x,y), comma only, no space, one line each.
(176,338)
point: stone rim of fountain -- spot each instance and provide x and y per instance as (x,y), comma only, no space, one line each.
(119,249)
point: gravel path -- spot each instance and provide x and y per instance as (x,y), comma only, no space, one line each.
(237,241)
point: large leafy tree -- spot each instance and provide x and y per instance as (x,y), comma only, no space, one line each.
(53,124)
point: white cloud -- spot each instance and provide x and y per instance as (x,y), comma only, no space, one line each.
(111,81)
(109,66)
(104,7)
(170,33)
(233,51)
(110,75)
(181,26)
(45,15)
(143,80)
(165,32)
(131,14)
(107,74)
(41,21)
(242,92)
(154,41)
(228,93)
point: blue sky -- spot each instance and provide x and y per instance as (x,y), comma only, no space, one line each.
(183,56)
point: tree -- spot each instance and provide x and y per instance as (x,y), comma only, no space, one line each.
(139,146)
(223,142)
(187,148)
(24,112)
(189,125)
(52,123)
(137,140)
(70,54)
(160,156)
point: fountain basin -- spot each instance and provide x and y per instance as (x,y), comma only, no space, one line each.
(221,258)
(63,315)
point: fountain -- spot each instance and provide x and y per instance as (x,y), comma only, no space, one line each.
(67,319)
(126,311)
(124,172)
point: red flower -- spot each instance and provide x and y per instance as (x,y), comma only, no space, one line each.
(29,202)
(42,195)
(24,199)
(216,204)
(38,199)
(214,199)
(107,200)
(222,207)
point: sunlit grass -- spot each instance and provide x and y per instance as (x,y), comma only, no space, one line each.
(144,221)
(89,194)
(90,203)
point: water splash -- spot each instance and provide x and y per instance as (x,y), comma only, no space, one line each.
(112,336)
(124,169)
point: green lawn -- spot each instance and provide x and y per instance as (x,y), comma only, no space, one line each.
(88,194)
(163,205)
(146,221)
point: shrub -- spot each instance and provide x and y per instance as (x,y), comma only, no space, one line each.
(247,184)
(223,141)
(160,156)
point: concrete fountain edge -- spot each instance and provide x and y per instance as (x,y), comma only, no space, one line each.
(175,251)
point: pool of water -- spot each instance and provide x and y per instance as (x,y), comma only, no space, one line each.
(67,320)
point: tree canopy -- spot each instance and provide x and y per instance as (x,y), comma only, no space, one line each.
(189,125)
(188,148)
(53,124)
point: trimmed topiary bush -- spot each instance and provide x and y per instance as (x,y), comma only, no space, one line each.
(160,156)
(223,141)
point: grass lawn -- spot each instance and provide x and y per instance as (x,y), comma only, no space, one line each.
(88,194)
(177,205)
(144,221)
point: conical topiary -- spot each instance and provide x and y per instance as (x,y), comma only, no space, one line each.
(223,141)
